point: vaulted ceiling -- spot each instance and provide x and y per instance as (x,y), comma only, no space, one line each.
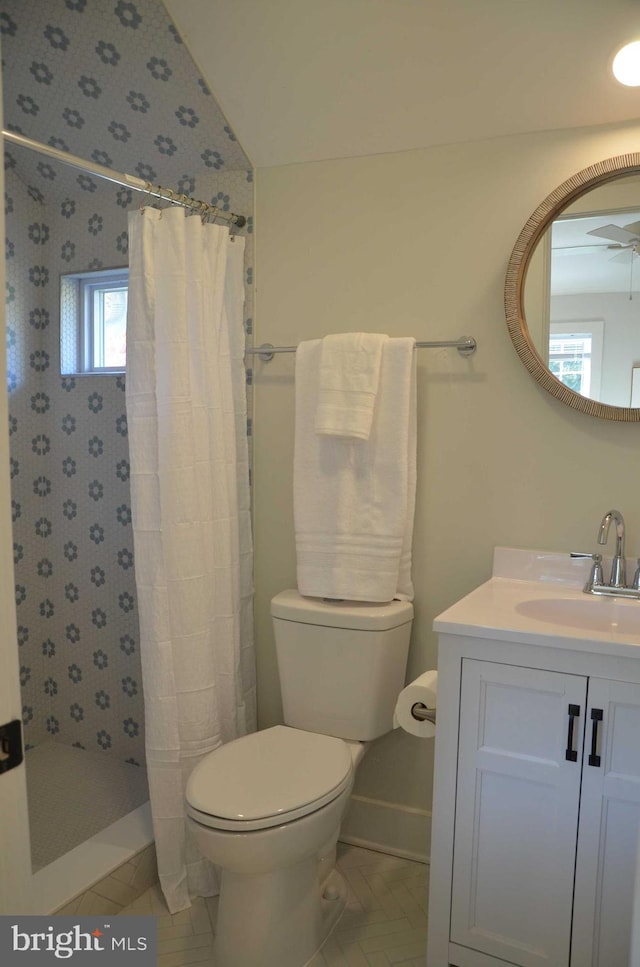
(304,80)
(299,80)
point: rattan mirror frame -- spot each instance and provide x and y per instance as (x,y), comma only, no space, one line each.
(562,196)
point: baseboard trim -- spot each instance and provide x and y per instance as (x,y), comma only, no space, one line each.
(388,827)
(388,850)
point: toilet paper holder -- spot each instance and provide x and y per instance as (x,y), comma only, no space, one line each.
(423,714)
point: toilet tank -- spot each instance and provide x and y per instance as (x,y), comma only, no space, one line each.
(341,663)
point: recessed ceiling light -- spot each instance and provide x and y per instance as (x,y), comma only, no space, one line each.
(626,65)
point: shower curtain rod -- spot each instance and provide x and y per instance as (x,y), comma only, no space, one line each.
(466,345)
(127,181)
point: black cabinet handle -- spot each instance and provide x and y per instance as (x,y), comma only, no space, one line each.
(574,713)
(596,716)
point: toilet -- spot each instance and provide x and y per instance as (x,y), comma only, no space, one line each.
(266,808)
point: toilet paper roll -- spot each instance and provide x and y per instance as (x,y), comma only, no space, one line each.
(424,690)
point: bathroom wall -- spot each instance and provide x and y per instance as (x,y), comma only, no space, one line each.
(73,545)
(423,252)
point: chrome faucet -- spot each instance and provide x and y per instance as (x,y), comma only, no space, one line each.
(617,586)
(618,567)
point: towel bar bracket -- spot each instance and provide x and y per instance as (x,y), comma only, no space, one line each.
(264,352)
(466,346)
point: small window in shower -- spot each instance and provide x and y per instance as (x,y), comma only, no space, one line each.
(93,322)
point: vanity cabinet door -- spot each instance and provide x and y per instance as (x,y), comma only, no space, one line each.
(517,805)
(608,831)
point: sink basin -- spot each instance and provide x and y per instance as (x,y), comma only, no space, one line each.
(588,613)
(536,596)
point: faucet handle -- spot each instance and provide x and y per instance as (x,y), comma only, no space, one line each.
(636,577)
(596,575)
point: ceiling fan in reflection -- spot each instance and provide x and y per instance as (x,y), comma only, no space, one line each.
(625,239)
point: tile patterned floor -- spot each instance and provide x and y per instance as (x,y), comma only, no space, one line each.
(117,890)
(384,923)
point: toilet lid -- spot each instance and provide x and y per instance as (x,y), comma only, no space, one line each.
(267,778)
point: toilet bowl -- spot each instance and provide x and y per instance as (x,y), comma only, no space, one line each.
(267,809)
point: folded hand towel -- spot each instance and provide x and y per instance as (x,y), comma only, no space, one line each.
(349,376)
(354,499)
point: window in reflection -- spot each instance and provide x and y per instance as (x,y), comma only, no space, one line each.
(575,355)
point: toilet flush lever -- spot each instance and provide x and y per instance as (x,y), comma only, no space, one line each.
(10,745)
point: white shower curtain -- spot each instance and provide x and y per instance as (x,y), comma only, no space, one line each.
(186,411)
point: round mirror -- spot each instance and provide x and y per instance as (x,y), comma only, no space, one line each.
(572,291)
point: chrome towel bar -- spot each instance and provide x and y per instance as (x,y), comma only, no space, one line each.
(466,346)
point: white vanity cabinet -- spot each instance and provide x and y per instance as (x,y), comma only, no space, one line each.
(517,808)
(536,811)
(608,830)
(537,793)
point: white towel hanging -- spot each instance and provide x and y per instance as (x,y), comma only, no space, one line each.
(349,379)
(354,499)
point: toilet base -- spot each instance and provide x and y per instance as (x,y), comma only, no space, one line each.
(278,919)
(333,902)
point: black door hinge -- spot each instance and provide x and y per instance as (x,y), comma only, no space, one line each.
(10,745)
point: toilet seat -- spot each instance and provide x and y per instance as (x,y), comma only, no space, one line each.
(268,778)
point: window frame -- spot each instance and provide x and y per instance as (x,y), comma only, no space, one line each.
(592,329)
(78,319)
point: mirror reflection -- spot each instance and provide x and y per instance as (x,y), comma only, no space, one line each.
(582,294)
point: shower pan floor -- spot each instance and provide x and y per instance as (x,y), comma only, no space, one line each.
(73,794)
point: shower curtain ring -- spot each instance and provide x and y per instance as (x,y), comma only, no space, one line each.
(167,195)
(145,195)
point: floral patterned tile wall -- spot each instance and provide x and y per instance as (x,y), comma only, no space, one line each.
(109,81)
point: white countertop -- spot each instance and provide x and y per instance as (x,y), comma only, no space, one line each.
(535,597)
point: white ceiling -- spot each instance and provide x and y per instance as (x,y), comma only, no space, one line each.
(306,80)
